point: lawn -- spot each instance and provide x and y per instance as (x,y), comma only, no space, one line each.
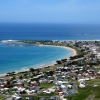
(44,85)
(2,96)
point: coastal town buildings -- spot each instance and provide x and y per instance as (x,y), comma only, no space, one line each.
(59,81)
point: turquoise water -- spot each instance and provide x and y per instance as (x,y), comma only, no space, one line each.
(20,57)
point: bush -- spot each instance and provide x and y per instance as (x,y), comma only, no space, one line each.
(35,79)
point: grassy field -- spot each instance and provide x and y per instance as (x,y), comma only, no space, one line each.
(46,85)
(2,96)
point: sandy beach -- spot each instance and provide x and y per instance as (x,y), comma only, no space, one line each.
(73,53)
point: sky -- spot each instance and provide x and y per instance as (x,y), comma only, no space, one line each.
(50,11)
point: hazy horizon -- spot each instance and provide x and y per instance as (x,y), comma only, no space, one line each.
(50,11)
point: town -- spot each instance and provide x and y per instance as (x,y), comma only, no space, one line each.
(73,78)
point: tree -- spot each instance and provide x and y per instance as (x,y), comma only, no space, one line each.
(32,69)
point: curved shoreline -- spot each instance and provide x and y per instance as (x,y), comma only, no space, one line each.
(68,48)
(73,53)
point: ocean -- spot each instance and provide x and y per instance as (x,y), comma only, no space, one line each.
(20,58)
(49,32)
